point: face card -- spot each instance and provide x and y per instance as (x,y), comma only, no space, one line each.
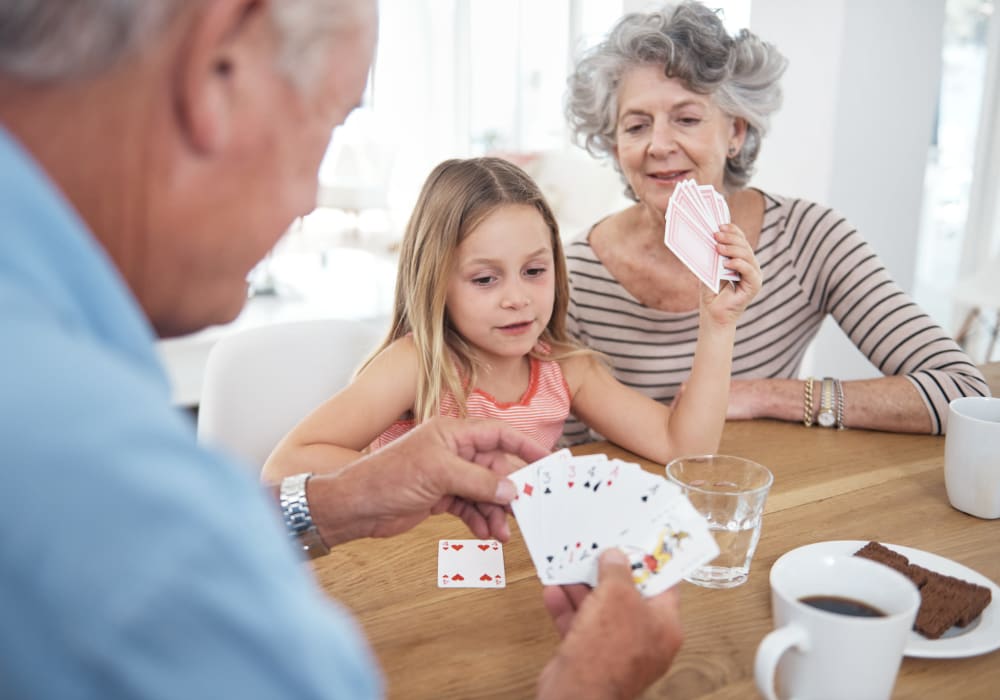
(470,564)
(674,541)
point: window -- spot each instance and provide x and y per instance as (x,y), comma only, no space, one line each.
(949,177)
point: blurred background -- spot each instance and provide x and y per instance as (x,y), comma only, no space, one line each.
(891,115)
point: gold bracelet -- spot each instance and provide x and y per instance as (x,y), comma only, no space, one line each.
(840,403)
(807,408)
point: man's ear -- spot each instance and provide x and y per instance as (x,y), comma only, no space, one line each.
(215,57)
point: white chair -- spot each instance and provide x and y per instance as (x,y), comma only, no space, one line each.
(260,382)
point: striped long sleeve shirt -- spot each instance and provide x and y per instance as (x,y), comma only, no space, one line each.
(814,263)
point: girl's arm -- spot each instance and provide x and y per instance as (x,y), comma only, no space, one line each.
(335,433)
(694,424)
(647,427)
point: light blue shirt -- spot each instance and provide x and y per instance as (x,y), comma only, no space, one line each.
(133,563)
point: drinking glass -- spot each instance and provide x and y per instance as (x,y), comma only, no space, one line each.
(730,492)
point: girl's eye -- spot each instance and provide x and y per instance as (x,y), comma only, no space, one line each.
(483,281)
(534,272)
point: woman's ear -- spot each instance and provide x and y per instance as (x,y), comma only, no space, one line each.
(217,57)
(738,134)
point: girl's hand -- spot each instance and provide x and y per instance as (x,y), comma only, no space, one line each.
(733,298)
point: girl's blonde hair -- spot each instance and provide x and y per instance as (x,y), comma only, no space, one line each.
(456,197)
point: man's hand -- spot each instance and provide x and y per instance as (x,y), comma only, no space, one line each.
(615,642)
(441,465)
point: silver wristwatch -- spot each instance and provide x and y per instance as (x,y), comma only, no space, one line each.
(298,520)
(827,414)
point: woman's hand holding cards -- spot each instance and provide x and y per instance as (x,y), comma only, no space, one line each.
(733,298)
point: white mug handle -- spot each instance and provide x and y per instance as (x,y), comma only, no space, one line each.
(769,653)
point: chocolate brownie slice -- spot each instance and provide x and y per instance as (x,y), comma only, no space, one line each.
(884,555)
(945,601)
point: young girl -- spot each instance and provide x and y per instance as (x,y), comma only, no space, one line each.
(478,330)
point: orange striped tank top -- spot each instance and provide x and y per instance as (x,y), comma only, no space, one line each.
(540,413)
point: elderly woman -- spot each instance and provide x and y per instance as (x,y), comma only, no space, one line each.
(670,95)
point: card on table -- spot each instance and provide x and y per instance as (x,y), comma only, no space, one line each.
(569,509)
(470,564)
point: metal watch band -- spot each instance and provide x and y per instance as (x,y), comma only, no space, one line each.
(298,520)
(827,412)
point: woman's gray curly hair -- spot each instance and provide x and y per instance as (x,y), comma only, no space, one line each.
(690,42)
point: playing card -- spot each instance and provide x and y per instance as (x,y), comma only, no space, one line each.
(685,238)
(717,203)
(470,564)
(526,505)
(692,201)
(576,507)
(571,523)
(694,214)
(673,541)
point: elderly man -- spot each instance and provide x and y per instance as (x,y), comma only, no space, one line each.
(151,151)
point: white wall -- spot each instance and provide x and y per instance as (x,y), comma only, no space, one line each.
(860,98)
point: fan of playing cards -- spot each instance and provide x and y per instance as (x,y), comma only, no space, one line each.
(694,213)
(571,508)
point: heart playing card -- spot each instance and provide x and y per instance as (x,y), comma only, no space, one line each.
(470,564)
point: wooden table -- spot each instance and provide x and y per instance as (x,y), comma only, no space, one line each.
(828,485)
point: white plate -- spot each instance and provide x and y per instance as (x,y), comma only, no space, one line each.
(980,637)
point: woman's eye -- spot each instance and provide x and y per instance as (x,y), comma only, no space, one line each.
(634,128)
(689,121)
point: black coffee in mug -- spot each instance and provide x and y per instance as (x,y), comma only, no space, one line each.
(842,606)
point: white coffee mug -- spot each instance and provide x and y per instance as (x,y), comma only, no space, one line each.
(820,655)
(972,456)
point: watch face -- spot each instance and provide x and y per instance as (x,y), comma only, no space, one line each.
(826,419)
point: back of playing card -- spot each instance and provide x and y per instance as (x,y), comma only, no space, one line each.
(686,239)
(694,214)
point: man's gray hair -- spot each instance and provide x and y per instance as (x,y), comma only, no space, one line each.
(52,40)
(690,43)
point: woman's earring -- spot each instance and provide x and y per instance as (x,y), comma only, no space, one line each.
(731,152)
